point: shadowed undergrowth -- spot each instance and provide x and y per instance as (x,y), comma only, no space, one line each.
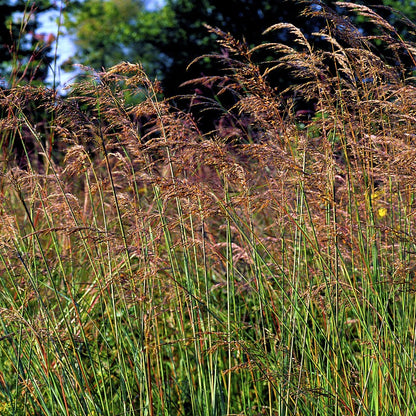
(265,267)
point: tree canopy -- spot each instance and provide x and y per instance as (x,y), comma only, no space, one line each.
(105,31)
(25,54)
(166,40)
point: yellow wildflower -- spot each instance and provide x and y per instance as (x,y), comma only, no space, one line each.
(382,212)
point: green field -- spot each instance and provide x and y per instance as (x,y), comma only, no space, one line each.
(263,266)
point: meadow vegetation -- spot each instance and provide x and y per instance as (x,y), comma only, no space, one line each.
(263,266)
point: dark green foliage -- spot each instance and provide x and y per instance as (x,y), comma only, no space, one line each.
(187,38)
(24,53)
(167,40)
(105,31)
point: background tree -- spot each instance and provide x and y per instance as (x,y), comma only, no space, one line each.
(25,58)
(168,39)
(25,54)
(186,37)
(107,32)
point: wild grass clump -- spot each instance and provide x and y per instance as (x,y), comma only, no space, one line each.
(265,266)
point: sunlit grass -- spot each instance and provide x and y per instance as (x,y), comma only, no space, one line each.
(265,267)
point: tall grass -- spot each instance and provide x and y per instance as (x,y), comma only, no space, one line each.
(263,268)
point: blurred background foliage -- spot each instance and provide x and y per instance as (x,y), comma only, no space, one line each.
(25,54)
(165,39)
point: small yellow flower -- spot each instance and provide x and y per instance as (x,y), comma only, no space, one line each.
(382,212)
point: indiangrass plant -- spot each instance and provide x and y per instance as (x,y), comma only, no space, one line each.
(265,267)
